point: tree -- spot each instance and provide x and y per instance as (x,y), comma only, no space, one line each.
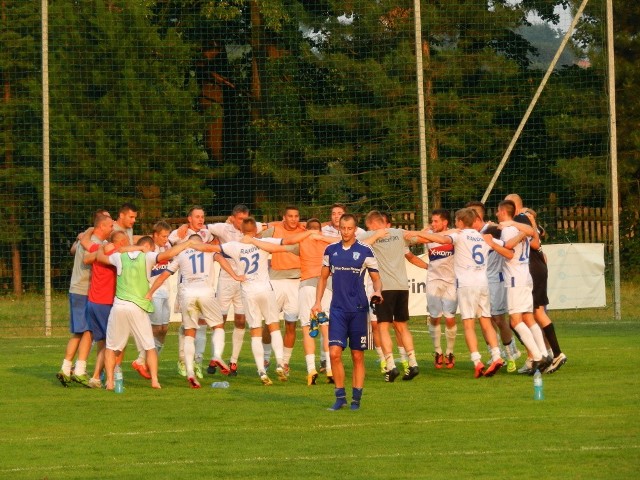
(21,137)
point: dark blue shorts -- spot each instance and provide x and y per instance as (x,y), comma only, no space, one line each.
(351,326)
(77,313)
(98,316)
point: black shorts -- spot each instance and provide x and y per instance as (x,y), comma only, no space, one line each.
(539,274)
(395,306)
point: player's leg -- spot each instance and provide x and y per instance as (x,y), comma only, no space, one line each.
(143,336)
(449,307)
(306,299)
(338,335)
(435,311)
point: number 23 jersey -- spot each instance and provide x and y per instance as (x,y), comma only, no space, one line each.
(252,262)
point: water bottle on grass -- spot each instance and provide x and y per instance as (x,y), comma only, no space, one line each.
(538,392)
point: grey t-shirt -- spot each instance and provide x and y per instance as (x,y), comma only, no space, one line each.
(389,252)
(81,273)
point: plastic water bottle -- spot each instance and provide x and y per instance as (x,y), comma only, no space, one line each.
(220,385)
(119,380)
(538,392)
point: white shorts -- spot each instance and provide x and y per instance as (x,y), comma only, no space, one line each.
(441,299)
(127,318)
(520,299)
(199,304)
(258,306)
(474,302)
(161,311)
(286,290)
(498,298)
(229,293)
(307,299)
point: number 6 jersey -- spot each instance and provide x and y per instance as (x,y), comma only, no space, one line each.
(470,258)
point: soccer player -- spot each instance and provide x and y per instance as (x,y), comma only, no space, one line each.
(519,286)
(497,291)
(129,314)
(161,314)
(312,247)
(258,297)
(127,215)
(284,272)
(197,298)
(195,225)
(80,341)
(102,290)
(332,229)
(441,291)
(470,267)
(228,289)
(539,273)
(347,262)
(390,254)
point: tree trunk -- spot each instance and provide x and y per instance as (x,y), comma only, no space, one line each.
(13,226)
(433,155)
(257,60)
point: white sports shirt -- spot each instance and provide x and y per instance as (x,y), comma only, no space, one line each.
(470,258)
(516,270)
(196,269)
(252,262)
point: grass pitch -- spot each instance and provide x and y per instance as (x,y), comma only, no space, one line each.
(443,424)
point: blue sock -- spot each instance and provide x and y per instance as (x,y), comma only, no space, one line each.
(357,396)
(341,399)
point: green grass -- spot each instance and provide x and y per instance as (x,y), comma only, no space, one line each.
(444,424)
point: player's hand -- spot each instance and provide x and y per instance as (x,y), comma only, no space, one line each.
(377,298)
(182,230)
(316,308)
(240,278)
(148,295)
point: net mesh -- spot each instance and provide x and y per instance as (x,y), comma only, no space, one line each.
(171,103)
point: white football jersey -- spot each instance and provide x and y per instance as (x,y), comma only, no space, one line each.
(196,268)
(252,262)
(516,269)
(203,232)
(470,258)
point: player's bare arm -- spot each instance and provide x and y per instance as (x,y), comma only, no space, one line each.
(226,266)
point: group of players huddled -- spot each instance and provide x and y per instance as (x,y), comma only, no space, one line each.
(296,270)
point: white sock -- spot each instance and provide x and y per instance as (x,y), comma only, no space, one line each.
(311,362)
(286,354)
(142,358)
(328,360)
(200,343)
(324,356)
(539,338)
(495,354)
(189,353)
(278,346)
(66,367)
(266,347)
(403,354)
(158,345)
(181,343)
(450,334)
(81,367)
(476,357)
(435,333)
(236,343)
(379,352)
(412,358)
(217,338)
(258,352)
(391,364)
(527,339)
